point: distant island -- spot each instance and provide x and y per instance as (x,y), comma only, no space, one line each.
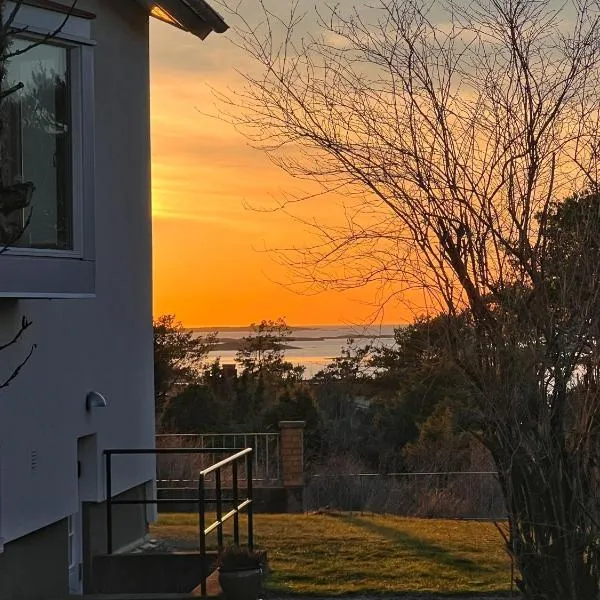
(229,344)
(293,328)
(236,344)
(249,328)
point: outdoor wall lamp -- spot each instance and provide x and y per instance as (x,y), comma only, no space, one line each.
(95,400)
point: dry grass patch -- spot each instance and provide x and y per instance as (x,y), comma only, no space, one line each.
(341,553)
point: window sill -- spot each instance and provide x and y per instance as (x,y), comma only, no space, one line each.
(41,253)
(26,276)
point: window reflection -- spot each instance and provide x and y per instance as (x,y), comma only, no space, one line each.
(35,150)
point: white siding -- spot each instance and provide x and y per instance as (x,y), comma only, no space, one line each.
(103,343)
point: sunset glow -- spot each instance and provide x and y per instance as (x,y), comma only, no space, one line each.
(210,264)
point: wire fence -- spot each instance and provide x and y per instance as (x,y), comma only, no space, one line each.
(452,495)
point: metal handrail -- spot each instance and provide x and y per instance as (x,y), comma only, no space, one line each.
(224,462)
(233,460)
(233,513)
(108,454)
(166,450)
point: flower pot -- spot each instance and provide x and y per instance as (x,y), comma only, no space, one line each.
(241,584)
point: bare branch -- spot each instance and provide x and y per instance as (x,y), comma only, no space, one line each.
(463,143)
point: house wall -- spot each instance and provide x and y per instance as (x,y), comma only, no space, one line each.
(103,343)
(128,521)
(36,565)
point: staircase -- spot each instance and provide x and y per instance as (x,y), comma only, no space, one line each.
(175,575)
(213,591)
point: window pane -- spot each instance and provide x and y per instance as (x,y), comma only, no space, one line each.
(35,150)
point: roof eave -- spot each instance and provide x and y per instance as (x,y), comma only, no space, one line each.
(208,14)
(195,16)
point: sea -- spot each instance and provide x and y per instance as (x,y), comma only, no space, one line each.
(313,347)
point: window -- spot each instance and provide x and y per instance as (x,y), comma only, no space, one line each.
(47,144)
(36,200)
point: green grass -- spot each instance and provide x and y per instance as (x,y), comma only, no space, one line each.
(341,553)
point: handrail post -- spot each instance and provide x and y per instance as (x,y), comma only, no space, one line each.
(202,527)
(219,508)
(249,497)
(109,527)
(236,518)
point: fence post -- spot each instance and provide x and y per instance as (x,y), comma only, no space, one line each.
(291,449)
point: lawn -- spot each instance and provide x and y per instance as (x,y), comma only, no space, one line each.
(341,553)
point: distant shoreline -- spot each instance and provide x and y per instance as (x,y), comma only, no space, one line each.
(248,328)
(236,343)
(310,347)
(294,327)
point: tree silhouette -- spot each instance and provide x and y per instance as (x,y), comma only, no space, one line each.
(454,130)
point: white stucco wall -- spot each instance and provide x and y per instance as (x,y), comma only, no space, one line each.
(103,343)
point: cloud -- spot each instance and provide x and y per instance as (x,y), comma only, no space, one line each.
(206,267)
(175,51)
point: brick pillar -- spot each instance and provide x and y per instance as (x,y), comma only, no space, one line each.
(291,451)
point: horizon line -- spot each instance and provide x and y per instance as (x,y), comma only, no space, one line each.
(307,326)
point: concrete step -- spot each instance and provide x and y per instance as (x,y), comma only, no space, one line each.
(136,597)
(213,590)
(123,597)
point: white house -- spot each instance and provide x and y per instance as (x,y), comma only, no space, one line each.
(79,130)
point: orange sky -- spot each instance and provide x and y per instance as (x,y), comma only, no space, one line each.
(208,265)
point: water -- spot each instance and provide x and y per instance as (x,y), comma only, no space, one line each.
(311,347)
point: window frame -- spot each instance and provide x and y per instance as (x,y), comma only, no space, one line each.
(35,24)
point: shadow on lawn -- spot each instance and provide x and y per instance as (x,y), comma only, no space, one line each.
(422,548)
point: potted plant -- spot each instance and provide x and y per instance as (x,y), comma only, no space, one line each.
(241,572)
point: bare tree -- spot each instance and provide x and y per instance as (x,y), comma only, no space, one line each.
(454,134)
